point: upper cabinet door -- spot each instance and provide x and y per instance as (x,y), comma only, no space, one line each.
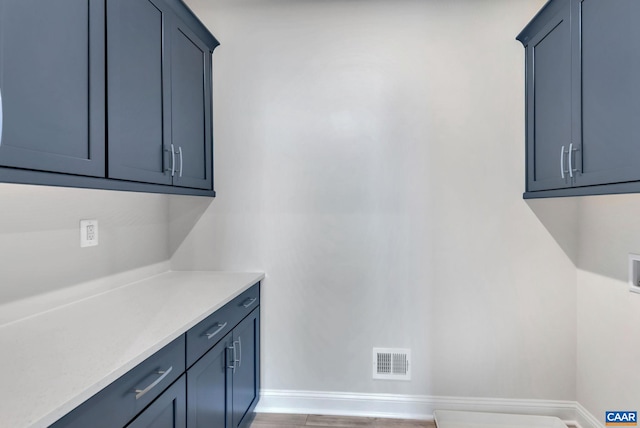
(138,105)
(191,108)
(549,104)
(610,92)
(52,85)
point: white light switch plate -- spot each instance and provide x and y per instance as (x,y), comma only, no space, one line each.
(88,233)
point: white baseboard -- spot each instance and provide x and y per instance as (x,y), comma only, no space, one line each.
(345,404)
(414,406)
(586,419)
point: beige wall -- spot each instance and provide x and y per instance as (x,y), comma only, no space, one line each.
(369,158)
(40,236)
(608,314)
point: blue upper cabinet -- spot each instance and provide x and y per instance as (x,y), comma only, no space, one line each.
(606,34)
(138,78)
(191,133)
(120,98)
(548,62)
(52,85)
(159,96)
(582,98)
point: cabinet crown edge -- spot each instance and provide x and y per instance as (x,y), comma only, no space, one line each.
(184,12)
(539,20)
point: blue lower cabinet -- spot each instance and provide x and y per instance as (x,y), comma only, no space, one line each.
(169,410)
(208,377)
(209,387)
(223,386)
(207,333)
(120,402)
(246,379)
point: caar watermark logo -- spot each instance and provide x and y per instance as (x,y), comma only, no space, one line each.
(621,419)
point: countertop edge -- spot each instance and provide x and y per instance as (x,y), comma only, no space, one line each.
(90,390)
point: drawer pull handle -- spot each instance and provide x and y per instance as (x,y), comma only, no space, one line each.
(220,327)
(180,152)
(141,392)
(562,152)
(249,302)
(240,352)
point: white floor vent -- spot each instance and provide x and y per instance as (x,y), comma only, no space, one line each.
(392,364)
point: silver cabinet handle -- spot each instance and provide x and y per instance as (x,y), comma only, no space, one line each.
(164,373)
(570,163)
(240,352)
(0,118)
(173,162)
(249,302)
(220,327)
(562,162)
(234,357)
(180,151)
(571,168)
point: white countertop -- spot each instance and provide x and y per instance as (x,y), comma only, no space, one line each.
(54,361)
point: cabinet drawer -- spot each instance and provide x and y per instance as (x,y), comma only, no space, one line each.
(247,301)
(208,332)
(169,410)
(121,401)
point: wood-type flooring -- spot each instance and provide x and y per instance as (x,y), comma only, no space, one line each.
(272,420)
